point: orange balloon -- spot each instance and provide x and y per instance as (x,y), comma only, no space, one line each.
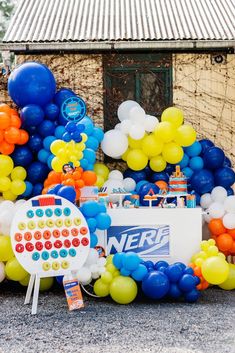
(79,183)
(69,182)
(12,135)
(15,121)
(6,148)
(5,120)
(54,177)
(197,271)
(162,184)
(24,137)
(1,135)
(216,226)
(89,177)
(224,242)
(46,183)
(232,249)
(77,175)
(205,285)
(44,191)
(4,108)
(231,232)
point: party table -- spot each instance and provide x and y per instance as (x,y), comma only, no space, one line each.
(154,233)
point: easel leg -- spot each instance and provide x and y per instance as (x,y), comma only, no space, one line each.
(35,295)
(29,289)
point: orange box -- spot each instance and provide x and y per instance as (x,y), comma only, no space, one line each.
(73,294)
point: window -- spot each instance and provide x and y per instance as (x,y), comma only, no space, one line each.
(146,78)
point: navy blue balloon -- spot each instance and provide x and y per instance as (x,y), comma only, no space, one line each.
(202,181)
(31,83)
(198,199)
(59,280)
(189,271)
(139,184)
(37,189)
(32,115)
(230,192)
(53,190)
(197,280)
(174,291)
(68,192)
(159,176)
(181,265)
(144,191)
(35,143)
(61,96)
(22,156)
(192,296)
(174,273)
(62,120)
(187,283)
(155,285)
(37,172)
(66,137)
(148,171)
(30,129)
(160,264)
(46,128)
(227,162)
(76,136)
(51,111)
(224,177)
(205,144)
(136,175)
(213,158)
(70,127)
(170,168)
(149,264)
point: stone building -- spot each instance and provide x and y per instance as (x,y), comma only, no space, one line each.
(159,52)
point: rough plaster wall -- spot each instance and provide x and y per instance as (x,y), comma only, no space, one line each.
(206,93)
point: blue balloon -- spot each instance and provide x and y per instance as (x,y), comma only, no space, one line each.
(68,192)
(59,280)
(48,141)
(76,136)
(61,96)
(90,167)
(174,272)
(139,273)
(136,175)
(84,164)
(22,156)
(80,127)
(103,221)
(197,280)
(92,143)
(148,171)
(174,291)
(31,129)
(89,155)
(194,150)
(43,156)
(160,264)
(62,120)
(46,128)
(102,207)
(37,189)
(198,198)
(131,261)
(192,296)
(51,111)
(170,168)
(186,283)
(89,126)
(139,184)
(32,115)
(202,181)
(118,260)
(28,190)
(144,191)
(184,161)
(125,272)
(159,176)
(70,126)
(59,131)
(205,144)
(188,172)
(149,264)
(155,285)
(162,269)
(181,265)
(98,133)
(50,158)
(31,83)
(189,271)
(230,192)
(213,158)
(35,143)
(224,177)
(196,163)
(92,224)
(90,208)
(227,162)
(94,240)
(37,172)
(66,137)
(54,190)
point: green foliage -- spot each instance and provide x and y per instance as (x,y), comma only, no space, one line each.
(6,8)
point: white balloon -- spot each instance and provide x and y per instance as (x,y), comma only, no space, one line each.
(84,275)
(229,221)
(2,272)
(207,217)
(117,127)
(102,269)
(115,174)
(216,210)
(87,282)
(137,115)
(94,268)
(129,184)
(7,205)
(229,204)
(112,185)
(137,132)
(124,109)
(101,261)
(92,257)
(150,123)
(219,194)
(95,275)
(114,144)
(206,200)
(125,126)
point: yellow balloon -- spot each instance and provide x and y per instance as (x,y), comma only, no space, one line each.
(172,153)
(6,252)
(57,164)
(215,270)
(6,165)
(18,173)
(136,144)
(106,277)
(14,270)
(18,187)
(229,283)
(8,195)
(157,164)
(84,137)
(100,181)
(5,183)
(137,160)
(76,164)
(151,146)
(46,283)
(124,156)
(185,135)
(165,131)
(79,155)
(25,281)
(109,260)
(123,290)
(102,170)
(57,145)
(101,289)
(61,153)
(173,115)
(80,146)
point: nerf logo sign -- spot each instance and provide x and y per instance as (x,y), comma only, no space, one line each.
(145,241)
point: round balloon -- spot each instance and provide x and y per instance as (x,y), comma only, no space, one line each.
(155,285)
(213,158)
(202,181)
(123,290)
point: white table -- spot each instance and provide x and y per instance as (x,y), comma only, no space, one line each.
(154,233)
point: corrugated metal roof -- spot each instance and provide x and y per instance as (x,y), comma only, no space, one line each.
(38,21)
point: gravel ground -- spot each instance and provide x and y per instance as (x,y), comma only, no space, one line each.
(103,326)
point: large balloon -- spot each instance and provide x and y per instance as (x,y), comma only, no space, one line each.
(155,285)
(213,158)
(31,83)
(229,284)
(123,290)
(224,177)
(173,115)
(185,135)
(172,153)
(215,270)
(136,159)
(205,144)
(202,181)
(114,144)
(144,191)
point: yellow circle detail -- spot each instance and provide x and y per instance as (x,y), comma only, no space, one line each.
(65,264)
(68,222)
(77,221)
(41,224)
(21,225)
(50,223)
(31,225)
(59,223)
(46,266)
(55,265)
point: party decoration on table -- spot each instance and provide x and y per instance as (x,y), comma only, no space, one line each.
(50,237)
